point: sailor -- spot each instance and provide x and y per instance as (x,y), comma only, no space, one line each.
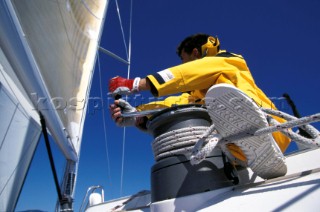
(205,65)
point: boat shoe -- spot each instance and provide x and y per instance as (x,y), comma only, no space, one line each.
(236,118)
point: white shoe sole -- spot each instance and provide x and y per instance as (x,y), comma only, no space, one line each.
(233,112)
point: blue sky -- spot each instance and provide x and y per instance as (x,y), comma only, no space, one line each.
(280,40)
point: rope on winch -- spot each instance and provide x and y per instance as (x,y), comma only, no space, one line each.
(200,141)
(180,141)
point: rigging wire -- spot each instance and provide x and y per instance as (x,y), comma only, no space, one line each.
(129,48)
(122,160)
(104,120)
(128,51)
(122,31)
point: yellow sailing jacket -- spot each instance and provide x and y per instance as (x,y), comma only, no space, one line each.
(199,75)
(196,77)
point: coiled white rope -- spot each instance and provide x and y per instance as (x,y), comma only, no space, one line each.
(198,142)
(176,142)
(173,138)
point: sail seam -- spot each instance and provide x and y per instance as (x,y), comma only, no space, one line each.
(14,170)
(5,135)
(13,92)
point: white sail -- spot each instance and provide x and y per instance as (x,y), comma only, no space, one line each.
(63,38)
(51,47)
(19,136)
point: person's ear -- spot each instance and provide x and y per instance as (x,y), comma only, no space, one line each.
(195,53)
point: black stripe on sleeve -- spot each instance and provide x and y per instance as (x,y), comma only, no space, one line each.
(152,88)
(159,78)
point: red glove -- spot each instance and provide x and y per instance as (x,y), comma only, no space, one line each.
(119,85)
(116,82)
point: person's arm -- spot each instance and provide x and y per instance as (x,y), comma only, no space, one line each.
(195,75)
(120,85)
(144,85)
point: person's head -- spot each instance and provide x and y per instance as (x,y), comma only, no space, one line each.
(195,47)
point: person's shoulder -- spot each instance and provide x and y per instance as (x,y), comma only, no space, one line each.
(224,53)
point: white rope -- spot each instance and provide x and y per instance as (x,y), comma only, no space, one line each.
(180,141)
(289,124)
(313,132)
(169,137)
(201,151)
(295,136)
(200,155)
(294,122)
(200,141)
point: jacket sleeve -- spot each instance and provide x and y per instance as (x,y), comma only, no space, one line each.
(196,75)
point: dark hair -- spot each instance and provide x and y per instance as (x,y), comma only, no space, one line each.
(191,42)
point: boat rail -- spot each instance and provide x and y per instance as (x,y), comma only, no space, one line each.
(89,193)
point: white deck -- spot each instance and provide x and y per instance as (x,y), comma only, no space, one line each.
(299,190)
